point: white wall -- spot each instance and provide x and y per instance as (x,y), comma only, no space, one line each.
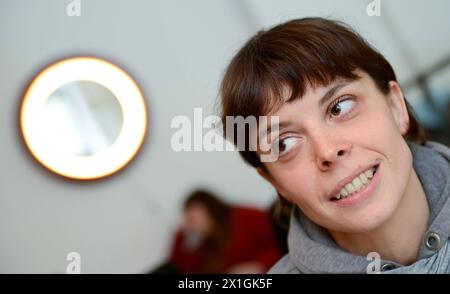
(177,51)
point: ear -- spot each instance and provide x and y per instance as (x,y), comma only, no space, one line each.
(268,177)
(398,107)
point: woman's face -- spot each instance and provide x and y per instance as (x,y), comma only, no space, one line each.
(197,219)
(342,158)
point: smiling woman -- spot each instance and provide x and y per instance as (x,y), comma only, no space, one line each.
(354,168)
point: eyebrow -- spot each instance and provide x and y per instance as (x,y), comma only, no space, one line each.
(280,126)
(330,93)
(327,96)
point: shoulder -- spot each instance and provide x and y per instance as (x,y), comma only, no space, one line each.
(249,213)
(284,266)
(440,148)
(247,210)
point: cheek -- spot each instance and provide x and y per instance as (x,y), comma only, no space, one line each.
(376,130)
(299,184)
(382,118)
(379,133)
(383,136)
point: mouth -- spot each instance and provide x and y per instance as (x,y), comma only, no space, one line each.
(352,188)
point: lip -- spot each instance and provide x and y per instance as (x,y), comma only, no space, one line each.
(361,195)
(349,179)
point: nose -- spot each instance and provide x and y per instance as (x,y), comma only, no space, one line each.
(329,150)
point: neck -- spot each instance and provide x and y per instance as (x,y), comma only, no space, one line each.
(399,238)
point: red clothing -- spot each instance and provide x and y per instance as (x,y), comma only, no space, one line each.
(252,239)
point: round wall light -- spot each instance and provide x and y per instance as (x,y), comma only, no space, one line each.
(83,118)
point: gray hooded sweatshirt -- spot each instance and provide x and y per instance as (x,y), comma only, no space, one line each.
(312,250)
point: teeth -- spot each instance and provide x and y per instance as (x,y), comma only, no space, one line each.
(369,173)
(363,178)
(357,184)
(349,187)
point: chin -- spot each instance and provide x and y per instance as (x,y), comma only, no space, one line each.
(370,219)
(368,225)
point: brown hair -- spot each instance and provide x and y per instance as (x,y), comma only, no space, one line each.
(298,53)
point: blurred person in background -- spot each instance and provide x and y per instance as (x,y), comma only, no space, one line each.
(216,237)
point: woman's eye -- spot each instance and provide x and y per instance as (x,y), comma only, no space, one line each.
(342,107)
(285,145)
